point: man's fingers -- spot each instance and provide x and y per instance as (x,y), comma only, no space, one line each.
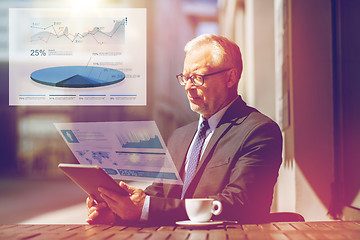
(126,207)
(90,201)
(130,189)
(92,217)
(115,202)
(91,210)
(100,206)
(93,214)
(124,185)
(111,194)
(111,202)
(127,187)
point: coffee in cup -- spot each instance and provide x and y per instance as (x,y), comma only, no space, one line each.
(202,209)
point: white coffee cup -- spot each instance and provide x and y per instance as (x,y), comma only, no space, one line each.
(202,209)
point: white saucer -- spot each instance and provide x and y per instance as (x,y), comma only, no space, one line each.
(189,223)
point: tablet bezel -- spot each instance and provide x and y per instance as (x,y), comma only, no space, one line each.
(90,178)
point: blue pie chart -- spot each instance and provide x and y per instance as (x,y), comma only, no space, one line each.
(77,76)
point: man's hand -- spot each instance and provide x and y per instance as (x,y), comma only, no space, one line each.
(99,213)
(128,208)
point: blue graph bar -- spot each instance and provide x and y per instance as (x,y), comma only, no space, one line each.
(147,174)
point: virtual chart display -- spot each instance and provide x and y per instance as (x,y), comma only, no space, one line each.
(125,150)
(72,57)
(77,76)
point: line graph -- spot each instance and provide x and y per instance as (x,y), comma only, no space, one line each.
(78,56)
(139,140)
(58,33)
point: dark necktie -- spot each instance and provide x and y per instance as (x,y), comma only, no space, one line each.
(194,156)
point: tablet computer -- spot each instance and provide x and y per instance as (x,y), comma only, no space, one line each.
(90,178)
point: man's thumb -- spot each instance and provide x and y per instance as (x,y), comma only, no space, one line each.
(126,187)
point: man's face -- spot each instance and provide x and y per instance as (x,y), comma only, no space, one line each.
(213,95)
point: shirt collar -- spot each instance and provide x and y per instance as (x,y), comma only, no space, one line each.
(215,119)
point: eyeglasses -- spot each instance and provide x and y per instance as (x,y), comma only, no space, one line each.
(196,79)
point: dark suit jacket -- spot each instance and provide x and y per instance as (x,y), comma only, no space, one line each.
(239,167)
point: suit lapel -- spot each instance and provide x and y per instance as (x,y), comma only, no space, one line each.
(214,139)
(235,114)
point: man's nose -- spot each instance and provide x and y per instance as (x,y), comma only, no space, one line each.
(189,84)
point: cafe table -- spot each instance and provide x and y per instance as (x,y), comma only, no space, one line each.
(280,230)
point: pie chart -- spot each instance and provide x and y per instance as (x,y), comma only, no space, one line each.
(77,76)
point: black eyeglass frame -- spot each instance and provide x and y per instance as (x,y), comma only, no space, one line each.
(181,77)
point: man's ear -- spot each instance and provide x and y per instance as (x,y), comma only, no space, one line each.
(232,78)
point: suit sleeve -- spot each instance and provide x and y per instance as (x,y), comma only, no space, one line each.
(164,210)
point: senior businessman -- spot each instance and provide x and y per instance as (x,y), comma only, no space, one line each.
(232,154)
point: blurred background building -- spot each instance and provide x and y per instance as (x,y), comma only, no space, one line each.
(301,68)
